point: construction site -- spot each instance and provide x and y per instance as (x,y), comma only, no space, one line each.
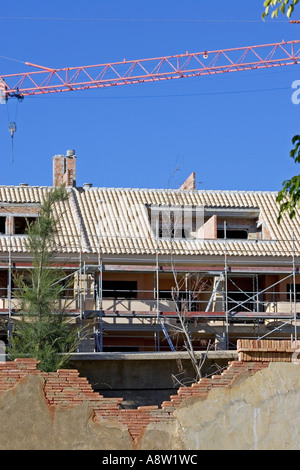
(155,276)
(161,310)
(132,275)
(158,275)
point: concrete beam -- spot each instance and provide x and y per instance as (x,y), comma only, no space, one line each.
(152,356)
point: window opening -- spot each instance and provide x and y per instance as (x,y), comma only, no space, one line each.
(22,223)
(2,225)
(119,289)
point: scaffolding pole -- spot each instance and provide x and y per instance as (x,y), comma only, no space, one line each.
(226,289)
(100,261)
(274,329)
(261,292)
(294,287)
(157,288)
(9,286)
(80,279)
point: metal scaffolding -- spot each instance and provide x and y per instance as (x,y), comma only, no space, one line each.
(251,308)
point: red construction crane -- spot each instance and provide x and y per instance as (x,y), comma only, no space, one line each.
(48,80)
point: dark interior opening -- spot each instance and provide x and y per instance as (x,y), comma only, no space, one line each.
(22,223)
(119,289)
(233,234)
(2,225)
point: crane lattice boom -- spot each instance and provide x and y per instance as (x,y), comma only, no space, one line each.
(47,80)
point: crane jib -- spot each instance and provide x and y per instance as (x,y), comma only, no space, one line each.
(44,80)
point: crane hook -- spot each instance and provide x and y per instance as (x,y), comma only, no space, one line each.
(12,128)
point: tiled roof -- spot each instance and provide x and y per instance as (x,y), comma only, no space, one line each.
(68,223)
(123,212)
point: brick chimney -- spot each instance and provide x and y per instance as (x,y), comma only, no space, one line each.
(64,169)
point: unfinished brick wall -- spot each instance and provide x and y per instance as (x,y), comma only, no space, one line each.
(267,350)
(65,388)
(209,230)
(189,183)
(203,387)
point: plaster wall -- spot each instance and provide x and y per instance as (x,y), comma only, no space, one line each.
(259,411)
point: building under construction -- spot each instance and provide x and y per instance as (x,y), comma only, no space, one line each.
(151,270)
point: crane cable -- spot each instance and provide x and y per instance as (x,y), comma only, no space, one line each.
(12,127)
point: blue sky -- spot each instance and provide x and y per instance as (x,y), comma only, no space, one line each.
(234,130)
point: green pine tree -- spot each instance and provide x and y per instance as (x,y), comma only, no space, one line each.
(43,331)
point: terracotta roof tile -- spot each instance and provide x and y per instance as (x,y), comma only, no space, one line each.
(122,217)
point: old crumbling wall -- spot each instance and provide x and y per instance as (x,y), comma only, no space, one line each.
(262,413)
(253,404)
